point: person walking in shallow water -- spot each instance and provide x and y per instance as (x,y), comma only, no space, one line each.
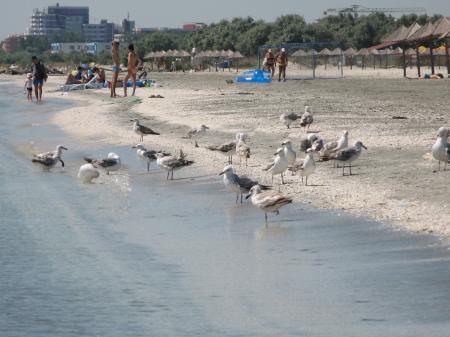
(282,61)
(39,77)
(115,67)
(133,62)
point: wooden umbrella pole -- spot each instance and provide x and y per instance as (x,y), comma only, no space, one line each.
(447,56)
(418,61)
(431,58)
(404,60)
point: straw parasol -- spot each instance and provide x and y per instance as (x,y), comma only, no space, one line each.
(325,52)
(350,52)
(336,52)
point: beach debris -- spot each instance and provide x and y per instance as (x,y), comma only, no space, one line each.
(156,96)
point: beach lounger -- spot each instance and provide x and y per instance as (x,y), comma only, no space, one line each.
(83,86)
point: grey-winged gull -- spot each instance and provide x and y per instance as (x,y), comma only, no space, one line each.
(348,156)
(147,155)
(142,130)
(196,133)
(172,163)
(226,148)
(287,118)
(307,118)
(110,164)
(49,159)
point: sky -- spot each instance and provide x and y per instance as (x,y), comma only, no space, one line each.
(15,14)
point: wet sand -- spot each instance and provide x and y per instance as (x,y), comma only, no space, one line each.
(395,180)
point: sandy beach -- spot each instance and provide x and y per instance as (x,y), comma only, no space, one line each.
(395,181)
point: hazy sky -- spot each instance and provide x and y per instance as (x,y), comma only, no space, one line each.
(15,14)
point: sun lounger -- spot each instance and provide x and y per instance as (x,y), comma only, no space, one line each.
(89,85)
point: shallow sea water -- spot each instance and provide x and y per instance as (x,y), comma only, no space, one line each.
(135,255)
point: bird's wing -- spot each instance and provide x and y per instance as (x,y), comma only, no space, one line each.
(147,130)
(292,116)
(345,154)
(107,162)
(245,182)
(272,198)
(47,161)
(49,154)
(268,167)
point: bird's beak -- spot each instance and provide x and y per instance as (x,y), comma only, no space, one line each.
(248,196)
(132,120)
(64,148)
(283,144)
(222,173)
(133,147)
(364,146)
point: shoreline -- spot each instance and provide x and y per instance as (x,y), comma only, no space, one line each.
(367,194)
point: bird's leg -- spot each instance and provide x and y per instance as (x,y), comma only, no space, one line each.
(439,166)
(306,181)
(241,198)
(107,173)
(148,165)
(272,179)
(350,169)
(343,166)
(168,172)
(282,180)
(265,214)
(237,198)
(171,177)
(302,179)
(445,166)
(196,144)
(62,163)
(142,138)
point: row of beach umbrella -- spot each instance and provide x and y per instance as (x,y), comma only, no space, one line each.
(225,54)
(350,52)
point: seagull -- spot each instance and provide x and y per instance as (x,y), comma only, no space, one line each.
(49,159)
(279,164)
(238,184)
(289,153)
(288,118)
(267,201)
(349,155)
(307,118)
(197,133)
(242,149)
(226,148)
(332,147)
(148,155)
(110,164)
(308,141)
(306,166)
(441,149)
(142,130)
(87,172)
(172,163)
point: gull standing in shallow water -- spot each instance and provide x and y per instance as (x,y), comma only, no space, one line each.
(110,164)
(87,173)
(49,159)
(197,133)
(238,184)
(172,163)
(279,165)
(349,155)
(267,201)
(441,149)
(148,155)
(142,130)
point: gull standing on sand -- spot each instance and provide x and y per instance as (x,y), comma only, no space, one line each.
(306,166)
(148,155)
(238,184)
(172,163)
(310,140)
(349,155)
(226,148)
(289,153)
(332,147)
(242,149)
(288,118)
(142,130)
(87,173)
(110,164)
(441,149)
(307,118)
(197,133)
(49,159)
(279,165)
(267,201)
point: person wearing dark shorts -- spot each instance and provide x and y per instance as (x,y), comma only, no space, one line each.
(39,77)
(282,61)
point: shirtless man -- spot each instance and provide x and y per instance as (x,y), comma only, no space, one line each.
(115,67)
(132,69)
(282,61)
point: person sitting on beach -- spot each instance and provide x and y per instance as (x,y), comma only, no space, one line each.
(115,67)
(133,62)
(101,77)
(75,76)
(29,86)
(282,61)
(269,60)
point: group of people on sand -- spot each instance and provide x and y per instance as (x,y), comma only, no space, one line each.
(85,75)
(133,62)
(271,61)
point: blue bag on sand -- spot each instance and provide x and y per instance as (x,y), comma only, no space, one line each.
(254,76)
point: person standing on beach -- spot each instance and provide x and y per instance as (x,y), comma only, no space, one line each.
(133,62)
(282,61)
(270,62)
(29,87)
(39,77)
(115,67)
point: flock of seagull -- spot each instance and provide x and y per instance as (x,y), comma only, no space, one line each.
(285,159)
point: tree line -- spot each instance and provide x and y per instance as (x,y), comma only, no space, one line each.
(239,34)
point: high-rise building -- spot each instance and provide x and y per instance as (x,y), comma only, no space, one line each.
(99,32)
(57,19)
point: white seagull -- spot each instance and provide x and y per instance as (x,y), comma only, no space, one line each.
(238,184)
(267,201)
(332,147)
(279,165)
(306,166)
(172,163)
(441,149)
(49,159)
(289,153)
(242,149)
(349,155)
(142,130)
(197,133)
(87,173)
(110,164)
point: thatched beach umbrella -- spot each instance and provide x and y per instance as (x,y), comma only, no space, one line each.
(350,53)
(364,53)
